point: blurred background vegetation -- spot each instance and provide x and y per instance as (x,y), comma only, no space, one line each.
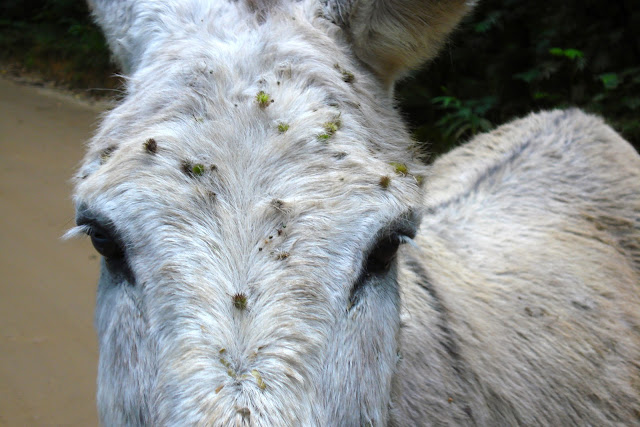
(508,58)
(56,39)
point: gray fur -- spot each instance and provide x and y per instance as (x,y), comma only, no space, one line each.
(527,281)
(278,160)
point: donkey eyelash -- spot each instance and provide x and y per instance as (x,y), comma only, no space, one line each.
(406,239)
(77,231)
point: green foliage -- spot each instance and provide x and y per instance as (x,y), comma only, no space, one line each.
(490,21)
(572,54)
(198,169)
(263,99)
(400,168)
(511,57)
(283,127)
(609,80)
(463,118)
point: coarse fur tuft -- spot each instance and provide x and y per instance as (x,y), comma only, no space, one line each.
(151,146)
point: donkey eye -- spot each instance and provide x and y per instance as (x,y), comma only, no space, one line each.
(382,255)
(104,243)
(377,264)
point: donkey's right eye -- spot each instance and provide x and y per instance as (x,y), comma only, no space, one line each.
(104,243)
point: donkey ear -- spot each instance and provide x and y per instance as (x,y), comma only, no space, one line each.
(119,20)
(394,36)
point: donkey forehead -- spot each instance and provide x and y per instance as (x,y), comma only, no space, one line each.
(306,74)
(289,122)
(255,177)
(255,189)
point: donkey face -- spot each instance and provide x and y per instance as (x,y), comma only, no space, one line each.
(249,195)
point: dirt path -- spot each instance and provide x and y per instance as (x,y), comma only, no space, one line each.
(48,350)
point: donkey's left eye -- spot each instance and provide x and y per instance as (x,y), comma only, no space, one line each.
(378,263)
(382,254)
(104,243)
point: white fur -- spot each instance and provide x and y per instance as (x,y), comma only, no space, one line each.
(467,327)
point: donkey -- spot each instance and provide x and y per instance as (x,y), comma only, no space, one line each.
(276,253)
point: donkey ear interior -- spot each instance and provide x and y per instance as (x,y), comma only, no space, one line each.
(394,36)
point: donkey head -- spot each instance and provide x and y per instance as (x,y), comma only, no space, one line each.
(248,196)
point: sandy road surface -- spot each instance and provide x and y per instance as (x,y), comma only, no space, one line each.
(48,350)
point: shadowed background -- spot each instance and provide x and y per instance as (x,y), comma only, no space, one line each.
(509,57)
